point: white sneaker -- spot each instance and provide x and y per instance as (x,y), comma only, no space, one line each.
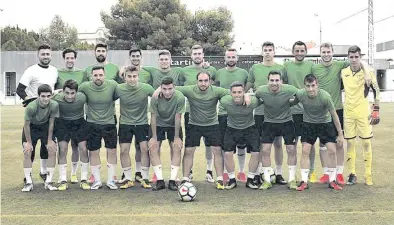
(111,185)
(50,186)
(96,185)
(209,178)
(27,187)
(190,176)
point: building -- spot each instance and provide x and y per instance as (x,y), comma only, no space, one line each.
(93,37)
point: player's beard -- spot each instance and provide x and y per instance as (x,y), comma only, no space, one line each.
(45,61)
(197,61)
(98,82)
(203,88)
(135,62)
(326,59)
(231,64)
(300,58)
(100,58)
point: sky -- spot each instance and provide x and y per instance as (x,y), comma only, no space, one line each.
(280,21)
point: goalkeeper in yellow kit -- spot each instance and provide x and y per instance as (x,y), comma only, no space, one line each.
(358,119)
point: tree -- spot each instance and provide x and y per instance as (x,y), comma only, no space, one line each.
(14,39)
(9,46)
(212,29)
(83,46)
(59,34)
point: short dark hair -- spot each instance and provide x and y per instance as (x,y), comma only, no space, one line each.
(43,46)
(69,50)
(101,45)
(236,84)
(98,68)
(267,44)
(164,52)
(203,72)
(135,50)
(231,50)
(310,78)
(167,80)
(354,49)
(130,69)
(274,72)
(71,84)
(299,43)
(44,88)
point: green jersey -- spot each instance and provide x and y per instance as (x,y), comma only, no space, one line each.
(277,106)
(296,72)
(37,115)
(111,72)
(317,109)
(71,110)
(239,116)
(100,101)
(77,75)
(166,109)
(203,103)
(133,103)
(144,77)
(157,75)
(329,78)
(224,79)
(258,75)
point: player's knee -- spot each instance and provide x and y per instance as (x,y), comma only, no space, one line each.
(278,142)
(291,150)
(144,148)
(366,143)
(331,150)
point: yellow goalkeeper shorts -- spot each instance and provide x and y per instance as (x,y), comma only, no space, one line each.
(357,127)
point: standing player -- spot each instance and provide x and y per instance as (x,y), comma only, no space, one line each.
(71,125)
(79,76)
(240,129)
(32,78)
(224,78)
(189,78)
(258,75)
(166,116)
(133,121)
(101,121)
(357,113)
(318,110)
(277,122)
(328,73)
(40,117)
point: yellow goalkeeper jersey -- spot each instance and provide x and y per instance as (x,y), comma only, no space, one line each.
(356,93)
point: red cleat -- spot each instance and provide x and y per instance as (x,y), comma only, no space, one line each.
(241,177)
(154,178)
(324,179)
(334,185)
(91,179)
(340,179)
(225,177)
(303,185)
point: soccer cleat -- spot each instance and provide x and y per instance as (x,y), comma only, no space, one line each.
(208,177)
(292,185)
(334,185)
(220,185)
(122,179)
(191,175)
(154,178)
(145,184)
(43,176)
(84,185)
(112,185)
(231,184)
(74,179)
(340,179)
(251,184)
(28,187)
(138,177)
(91,179)
(127,184)
(242,177)
(50,186)
(324,179)
(303,185)
(96,185)
(257,180)
(226,179)
(159,185)
(312,177)
(63,186)
(172,185)
(265,186)
(368,180)
(279,180)
(352,179)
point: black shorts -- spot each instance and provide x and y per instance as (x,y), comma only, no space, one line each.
(340,116)
(259,120)
(100,131)
(272,130)
(38,132)
(186,119)
(298,119)
(75,130)
(326,132)
(222,126)
(249,136)
(165,133)
(210,133)
(126,133)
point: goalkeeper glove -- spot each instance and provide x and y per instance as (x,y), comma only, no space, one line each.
(27,101)
(374,118)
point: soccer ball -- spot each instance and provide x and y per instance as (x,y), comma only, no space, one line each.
(187,192)
(272,177)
